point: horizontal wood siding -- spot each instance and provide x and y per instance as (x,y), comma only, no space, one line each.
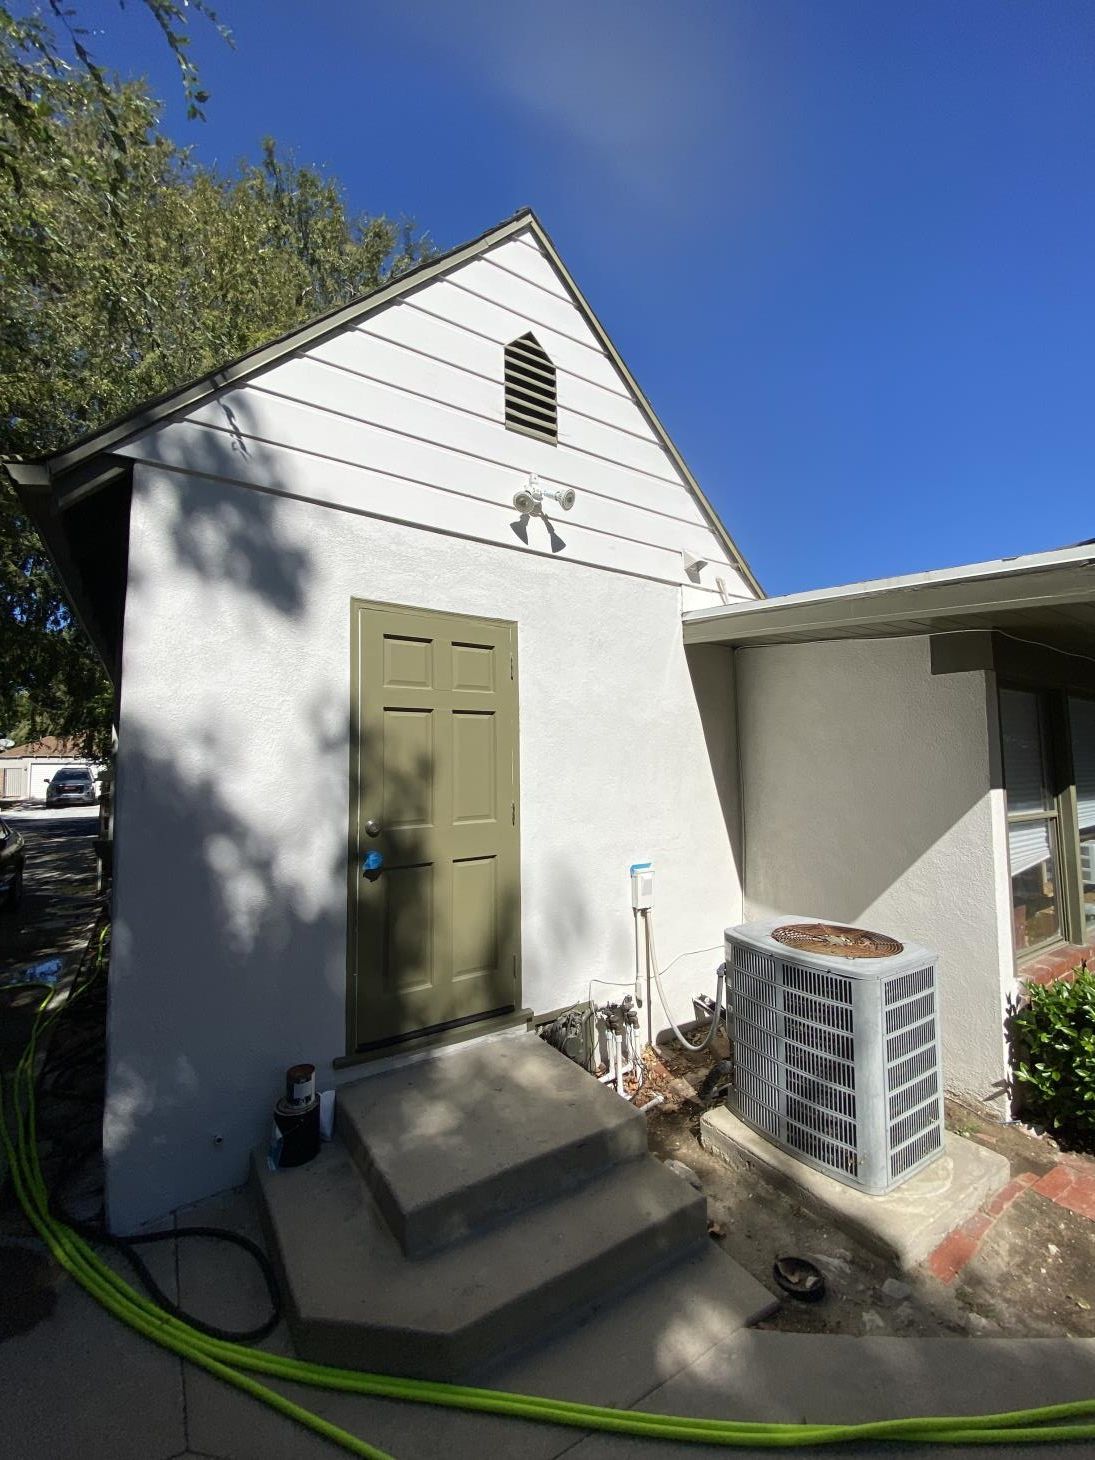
(402,417)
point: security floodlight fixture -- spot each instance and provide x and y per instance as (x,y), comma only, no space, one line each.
(530,500)
(693,565)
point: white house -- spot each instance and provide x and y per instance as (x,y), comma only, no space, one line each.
(423,633)
(26,770)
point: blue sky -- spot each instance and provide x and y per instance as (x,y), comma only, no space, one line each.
(847,247)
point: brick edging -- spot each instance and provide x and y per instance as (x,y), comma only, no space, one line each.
(957,1249)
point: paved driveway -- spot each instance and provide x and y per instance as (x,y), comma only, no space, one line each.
(54,918)
(59,888)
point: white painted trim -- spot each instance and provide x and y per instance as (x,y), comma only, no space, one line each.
(1035,580)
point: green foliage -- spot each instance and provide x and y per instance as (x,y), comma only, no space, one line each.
(1054,1038)
(129,269)
(30,47)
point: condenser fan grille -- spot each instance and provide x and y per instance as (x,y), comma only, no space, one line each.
(835,938)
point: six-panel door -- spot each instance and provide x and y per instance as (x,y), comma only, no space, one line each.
(435,930)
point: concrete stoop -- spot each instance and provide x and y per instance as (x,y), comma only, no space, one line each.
(472,1204)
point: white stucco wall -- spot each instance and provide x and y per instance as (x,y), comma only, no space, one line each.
(231,815)
(868,799)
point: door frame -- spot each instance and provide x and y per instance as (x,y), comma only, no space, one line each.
(354,1052)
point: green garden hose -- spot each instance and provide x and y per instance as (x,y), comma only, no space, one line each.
(234,1363)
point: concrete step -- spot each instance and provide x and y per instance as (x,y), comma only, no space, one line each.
(355,1299)
(458,1143)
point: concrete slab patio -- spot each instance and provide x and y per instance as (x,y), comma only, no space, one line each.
(82,1385)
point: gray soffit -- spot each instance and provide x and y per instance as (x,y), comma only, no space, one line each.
(41,472)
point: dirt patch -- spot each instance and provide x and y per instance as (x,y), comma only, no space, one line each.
(1032,1273)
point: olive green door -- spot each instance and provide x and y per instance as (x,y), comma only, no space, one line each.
(435,928)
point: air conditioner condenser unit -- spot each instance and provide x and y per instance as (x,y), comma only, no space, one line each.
(836,1047)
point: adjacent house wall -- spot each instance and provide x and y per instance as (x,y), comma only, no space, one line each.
(869,798)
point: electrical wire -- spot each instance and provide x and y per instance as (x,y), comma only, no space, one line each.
(235,1363)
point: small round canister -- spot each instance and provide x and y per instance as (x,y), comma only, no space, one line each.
(300,1084)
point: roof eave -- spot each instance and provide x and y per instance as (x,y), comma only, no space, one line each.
(38,472)
(911,607)
(150,413)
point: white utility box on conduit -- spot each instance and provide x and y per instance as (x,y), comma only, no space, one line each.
(836,1047)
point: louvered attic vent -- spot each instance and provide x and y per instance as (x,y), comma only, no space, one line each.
(530,390)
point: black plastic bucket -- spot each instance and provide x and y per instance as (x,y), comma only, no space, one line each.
(299,1127)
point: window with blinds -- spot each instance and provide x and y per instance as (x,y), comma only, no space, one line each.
(1081,726)
(1033,838)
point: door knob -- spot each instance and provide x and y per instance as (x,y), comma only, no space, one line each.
(372,827)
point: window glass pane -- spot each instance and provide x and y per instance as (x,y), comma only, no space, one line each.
(1081,719)
(1032,848)
(1025,775)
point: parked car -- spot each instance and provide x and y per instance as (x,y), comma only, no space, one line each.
(12,860)
(72,786)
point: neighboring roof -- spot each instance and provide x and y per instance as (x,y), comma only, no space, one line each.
(1042,594)
(40,471)
(48,748)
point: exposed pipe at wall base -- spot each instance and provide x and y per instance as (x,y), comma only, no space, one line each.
(720,993)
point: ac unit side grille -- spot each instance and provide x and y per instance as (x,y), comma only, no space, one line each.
(757,989)
(912,1124)
(825,1153)
(809,1062)
(822,1122)
(760,1040)
(763,1016)
(913,1095)
(910,1040)
(748,960)
(828,986)
(841,1070)
(900,1016)
(826,1097)
(802,1006)
(810,1036)
(907,1070)
(755,1049)
(906,985)
(761,1117)
(916,1152)
(827,1100)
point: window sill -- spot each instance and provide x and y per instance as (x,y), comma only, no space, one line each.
(1051,961)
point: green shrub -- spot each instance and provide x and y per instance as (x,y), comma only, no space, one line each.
(1054,1048)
